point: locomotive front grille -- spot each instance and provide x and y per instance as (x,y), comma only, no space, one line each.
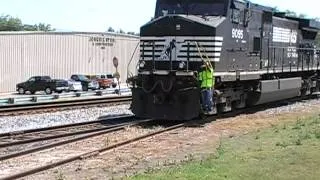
(180,48)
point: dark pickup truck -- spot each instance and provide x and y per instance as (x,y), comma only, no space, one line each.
(42,83)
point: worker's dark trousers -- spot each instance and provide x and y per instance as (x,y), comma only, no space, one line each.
(206,95)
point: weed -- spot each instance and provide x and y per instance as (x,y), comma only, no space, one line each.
(298,142)
(107,142)
(283,144)
(299,121)
(257,137)
(220,149)
(305,135)
(316,120)
(149,170)
(231,136)
(260,146)
(317,133)
(296,127)
(190,157)
(284,127)
(60,176)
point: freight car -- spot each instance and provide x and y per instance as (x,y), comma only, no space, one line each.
(259,56)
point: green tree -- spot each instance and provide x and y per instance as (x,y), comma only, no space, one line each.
(38,27)
(43,27)
(291,13)
(110,29)
(302,16)
(28,27)
(121,31)
(9,23)
(131,33)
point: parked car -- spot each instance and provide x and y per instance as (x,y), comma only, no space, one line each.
(103,81)
(85,82)
(113,79)
(74,85)
(42,83)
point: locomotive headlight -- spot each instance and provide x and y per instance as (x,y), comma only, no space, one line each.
(142,64)
(182,65)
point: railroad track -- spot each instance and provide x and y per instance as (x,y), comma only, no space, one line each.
(20,143)
(96,152)
(33,108)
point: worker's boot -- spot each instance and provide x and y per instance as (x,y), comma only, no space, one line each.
(212,112)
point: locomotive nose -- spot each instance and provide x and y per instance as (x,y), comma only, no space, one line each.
(182,25)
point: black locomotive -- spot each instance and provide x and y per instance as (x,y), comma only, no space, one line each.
(259,56)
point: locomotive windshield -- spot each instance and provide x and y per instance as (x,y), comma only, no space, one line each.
(192,7)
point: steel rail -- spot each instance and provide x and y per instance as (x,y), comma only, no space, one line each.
(91,153)
(62,135)
(63,104)
(48,146)
(102,120)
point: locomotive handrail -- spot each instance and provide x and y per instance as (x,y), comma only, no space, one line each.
(298,48)
(303,58)
(134,52)
(208,59)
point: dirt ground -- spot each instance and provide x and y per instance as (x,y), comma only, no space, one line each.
(176,146)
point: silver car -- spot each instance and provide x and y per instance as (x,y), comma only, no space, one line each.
(94,85)
(74,85)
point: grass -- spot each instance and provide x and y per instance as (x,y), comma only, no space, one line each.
(286,151)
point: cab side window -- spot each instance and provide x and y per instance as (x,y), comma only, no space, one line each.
(236,16)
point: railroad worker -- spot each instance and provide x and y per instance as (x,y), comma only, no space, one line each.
(206,80)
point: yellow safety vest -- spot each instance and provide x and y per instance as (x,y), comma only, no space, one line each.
(207,78)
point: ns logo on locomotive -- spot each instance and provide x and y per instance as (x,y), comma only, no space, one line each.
(254,55)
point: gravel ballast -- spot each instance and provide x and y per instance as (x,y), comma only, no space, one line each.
(34,121)
(25,122)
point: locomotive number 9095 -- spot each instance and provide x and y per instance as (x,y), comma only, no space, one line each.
(237,33)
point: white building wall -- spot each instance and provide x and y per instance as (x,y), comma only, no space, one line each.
(60,55)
